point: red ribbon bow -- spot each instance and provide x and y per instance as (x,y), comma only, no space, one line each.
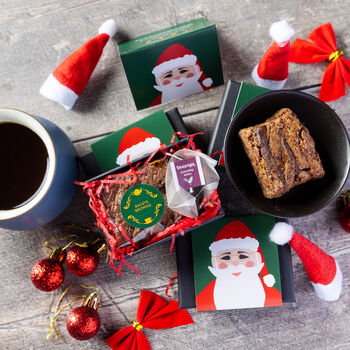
(152,312)
(322,46)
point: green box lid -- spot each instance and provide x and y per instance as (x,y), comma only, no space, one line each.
(163,35)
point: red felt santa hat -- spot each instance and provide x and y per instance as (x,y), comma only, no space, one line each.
(135,143)
(323,270)
(236,235)
(69,79)
(272,71)
(176,56)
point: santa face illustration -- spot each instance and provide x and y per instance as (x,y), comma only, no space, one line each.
(237,279)
(178,74)
(242,279)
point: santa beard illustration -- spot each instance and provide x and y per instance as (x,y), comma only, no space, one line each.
(238,287)
(180,88)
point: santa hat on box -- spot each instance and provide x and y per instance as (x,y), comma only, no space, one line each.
(135,143)
(272,71)
(176,56)
(323,270)
(69,79)
(236,235)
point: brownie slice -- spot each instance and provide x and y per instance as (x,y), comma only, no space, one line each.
(282,153)
(154,174)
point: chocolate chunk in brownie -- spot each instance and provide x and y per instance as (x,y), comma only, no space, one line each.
(154,174)
(282,153)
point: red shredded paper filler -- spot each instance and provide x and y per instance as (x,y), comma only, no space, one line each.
(210,205)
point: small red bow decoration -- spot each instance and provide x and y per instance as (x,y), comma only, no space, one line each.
(152,312)
(322,46)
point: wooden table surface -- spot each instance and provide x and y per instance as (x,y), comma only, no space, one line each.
(35,35)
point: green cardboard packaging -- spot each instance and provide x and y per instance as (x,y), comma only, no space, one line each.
(134,140)
(172,63)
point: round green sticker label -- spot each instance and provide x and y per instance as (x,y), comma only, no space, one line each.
(142,206)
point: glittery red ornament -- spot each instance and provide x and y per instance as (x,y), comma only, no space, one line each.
(345,212)
(84,322)
(82,261)
(48,274)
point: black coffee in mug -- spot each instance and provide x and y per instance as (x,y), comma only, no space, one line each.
(24,163)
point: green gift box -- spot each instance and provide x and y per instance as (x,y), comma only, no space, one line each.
(172,63)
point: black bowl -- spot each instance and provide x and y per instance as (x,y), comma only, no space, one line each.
(332,144)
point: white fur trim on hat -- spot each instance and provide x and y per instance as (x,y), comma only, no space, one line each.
(269,280)
(234,243)
(281,233)
(267,83)
(281,31)
(207,82)
(55,91)
(148,146)
(187,60)
(331,291)
(109,27)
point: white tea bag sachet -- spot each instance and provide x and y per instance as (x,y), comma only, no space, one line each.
(190,177)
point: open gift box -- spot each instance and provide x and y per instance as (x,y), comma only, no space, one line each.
(120,227)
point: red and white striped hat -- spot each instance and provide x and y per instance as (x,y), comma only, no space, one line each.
(69,79)
(323,270)
(272,71)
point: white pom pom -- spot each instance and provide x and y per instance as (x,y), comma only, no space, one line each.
(269,280)
(109,27)
(207,82)
(331,291)
(281,233)
(281,31)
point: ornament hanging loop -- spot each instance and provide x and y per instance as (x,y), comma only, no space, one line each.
(335,55)
(60,239)
(80,228)
(82,245)
(345,195)
(77,227)
(92,300)
(100,244)
(102,248)
(58,254)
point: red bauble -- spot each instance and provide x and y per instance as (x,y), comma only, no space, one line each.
(82,261)
(83,323)
(345,212)
(345,218)
(47,274)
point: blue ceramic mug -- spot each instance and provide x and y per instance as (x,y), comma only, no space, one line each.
(57,187)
